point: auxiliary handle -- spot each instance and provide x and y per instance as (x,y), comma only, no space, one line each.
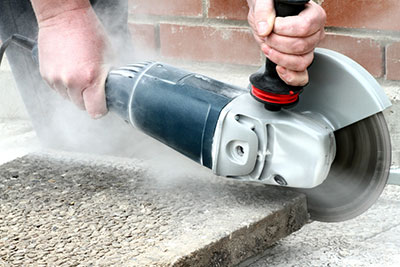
(267,87)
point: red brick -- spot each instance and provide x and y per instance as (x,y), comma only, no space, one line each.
(228,9)
(213,44)
(191,8)
(144,38)
(369,14)
(367,52)
(393,61)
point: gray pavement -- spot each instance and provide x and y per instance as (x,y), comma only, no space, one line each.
(62,209)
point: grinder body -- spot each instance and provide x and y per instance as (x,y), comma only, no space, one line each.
(221,126)
(178,108)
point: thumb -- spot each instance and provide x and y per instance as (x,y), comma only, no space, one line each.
(264,16)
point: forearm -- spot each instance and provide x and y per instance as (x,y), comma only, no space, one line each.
(45,10)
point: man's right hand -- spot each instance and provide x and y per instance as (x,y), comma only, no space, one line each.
(290,41)
(73,51)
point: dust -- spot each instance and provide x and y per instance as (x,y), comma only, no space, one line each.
(61,125)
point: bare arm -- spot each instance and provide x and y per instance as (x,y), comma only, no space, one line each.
(47,9)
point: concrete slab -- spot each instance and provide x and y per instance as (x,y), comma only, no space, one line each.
(111,211)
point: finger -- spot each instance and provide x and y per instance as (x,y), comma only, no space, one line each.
(307,23)
(95,99)
(72,89)
(61,90)
(292,77)
(293,45)
(288,61)
(75,95)
(322,34)
(264,16)
(259,40)
(57,85)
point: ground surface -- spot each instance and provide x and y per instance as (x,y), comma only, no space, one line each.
(112,212)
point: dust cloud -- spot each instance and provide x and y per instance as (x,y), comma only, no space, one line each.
(62,126)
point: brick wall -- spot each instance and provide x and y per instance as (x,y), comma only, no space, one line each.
(199,30)
(216,31)
(368,31)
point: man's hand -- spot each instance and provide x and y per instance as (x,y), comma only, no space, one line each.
(290,41)
(72,52)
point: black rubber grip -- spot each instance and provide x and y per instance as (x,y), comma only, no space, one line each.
(285,8)
(269,81)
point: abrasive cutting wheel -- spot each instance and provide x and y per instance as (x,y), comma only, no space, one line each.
(358,174)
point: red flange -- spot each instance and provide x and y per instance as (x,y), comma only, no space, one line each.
(275,98)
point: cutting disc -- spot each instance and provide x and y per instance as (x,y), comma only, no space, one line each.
(358,174)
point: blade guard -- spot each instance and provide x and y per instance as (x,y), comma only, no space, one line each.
(340,91)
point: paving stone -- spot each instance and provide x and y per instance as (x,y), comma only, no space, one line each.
(123,215)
